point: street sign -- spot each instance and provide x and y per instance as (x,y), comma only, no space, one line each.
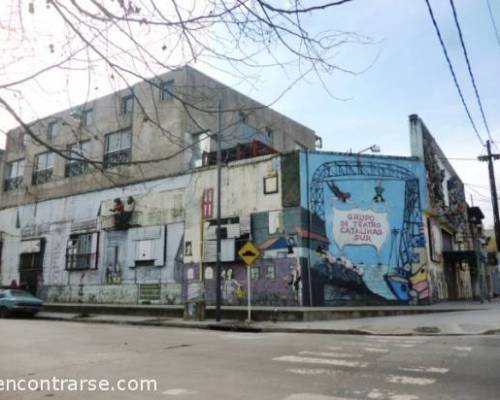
(249,253)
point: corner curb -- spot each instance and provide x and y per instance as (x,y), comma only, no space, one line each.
(235,327)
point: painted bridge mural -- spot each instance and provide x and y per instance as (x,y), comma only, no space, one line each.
(370,209)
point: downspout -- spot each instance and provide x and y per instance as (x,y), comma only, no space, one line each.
(309,229)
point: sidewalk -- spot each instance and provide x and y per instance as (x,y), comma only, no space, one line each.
(478,319)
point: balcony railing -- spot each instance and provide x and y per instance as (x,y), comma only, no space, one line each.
(75,168)
(116,158)
(42,176)
(12,183)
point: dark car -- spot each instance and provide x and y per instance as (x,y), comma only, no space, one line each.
(16,301)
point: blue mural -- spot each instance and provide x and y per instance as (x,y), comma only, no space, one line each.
(370,209)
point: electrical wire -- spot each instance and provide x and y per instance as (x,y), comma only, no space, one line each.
(495,28)
(471,74)
(450,66)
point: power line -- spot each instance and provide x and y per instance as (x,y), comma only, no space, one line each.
(471,74)
(450,66)
(495,28)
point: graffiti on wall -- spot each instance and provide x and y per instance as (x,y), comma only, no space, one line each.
(446,193)
(372,214)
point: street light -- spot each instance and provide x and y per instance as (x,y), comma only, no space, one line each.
(374,148)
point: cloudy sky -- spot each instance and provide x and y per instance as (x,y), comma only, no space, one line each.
(405,72)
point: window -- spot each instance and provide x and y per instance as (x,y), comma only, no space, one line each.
(271,184)
(269,134)
(14,177)
(242,117)
(270,272)
(44,168)
(52,130)
(79,253)
(254,274)
(87,117)
(117,148)
(127,104)
(167,90)
(79,153)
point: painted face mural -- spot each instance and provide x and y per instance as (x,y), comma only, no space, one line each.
(371,211)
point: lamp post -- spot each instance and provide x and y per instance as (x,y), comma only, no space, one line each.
(374,148)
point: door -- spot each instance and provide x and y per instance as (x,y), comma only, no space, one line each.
(31,268)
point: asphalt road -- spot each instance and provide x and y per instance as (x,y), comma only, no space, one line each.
(196,364)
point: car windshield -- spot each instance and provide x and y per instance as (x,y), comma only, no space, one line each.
(19,293)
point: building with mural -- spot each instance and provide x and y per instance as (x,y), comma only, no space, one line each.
(369,211)
(452,254)
(103,225)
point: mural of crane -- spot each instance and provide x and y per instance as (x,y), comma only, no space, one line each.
(401,279)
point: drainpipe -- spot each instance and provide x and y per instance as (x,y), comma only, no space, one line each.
(309,228)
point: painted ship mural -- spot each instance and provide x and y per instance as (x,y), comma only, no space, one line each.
(377,248)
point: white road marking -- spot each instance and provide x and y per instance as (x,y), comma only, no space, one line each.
(462,348)
(311,396)
(375,394)
(409,380)
(405,346)
(403,397)
(326,361)
(333,355)
(376,350)
(335,348)
(313,371)
(430,370)
(178,392)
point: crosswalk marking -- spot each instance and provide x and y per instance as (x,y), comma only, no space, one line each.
(409,380)
(329,354)
(462,348)
(313,371)
(326,361)
(431,370)
(376,350)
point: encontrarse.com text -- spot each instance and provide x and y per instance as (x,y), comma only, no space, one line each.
(56,384)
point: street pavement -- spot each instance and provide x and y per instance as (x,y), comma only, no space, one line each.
(202,364)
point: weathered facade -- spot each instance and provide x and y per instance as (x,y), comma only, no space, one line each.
(171,119)
(69,249)
(450,250)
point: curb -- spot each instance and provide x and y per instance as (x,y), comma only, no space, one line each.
(238,327)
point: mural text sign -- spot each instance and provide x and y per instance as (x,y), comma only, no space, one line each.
(360,227)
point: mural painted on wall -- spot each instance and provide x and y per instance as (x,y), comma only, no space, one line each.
(275,282)
(371,208)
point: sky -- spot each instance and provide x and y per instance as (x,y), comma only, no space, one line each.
(402,72)
(409,76)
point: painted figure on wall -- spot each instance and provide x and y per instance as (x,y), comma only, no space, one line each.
(377,244)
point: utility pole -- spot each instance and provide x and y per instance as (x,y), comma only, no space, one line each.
(219,174)
(493,188)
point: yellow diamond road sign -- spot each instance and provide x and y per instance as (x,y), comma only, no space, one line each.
(249,253)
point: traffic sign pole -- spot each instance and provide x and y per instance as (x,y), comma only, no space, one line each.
(249,253)
(249,295)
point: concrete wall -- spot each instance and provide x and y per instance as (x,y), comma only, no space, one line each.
(167,213)
(160,130)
